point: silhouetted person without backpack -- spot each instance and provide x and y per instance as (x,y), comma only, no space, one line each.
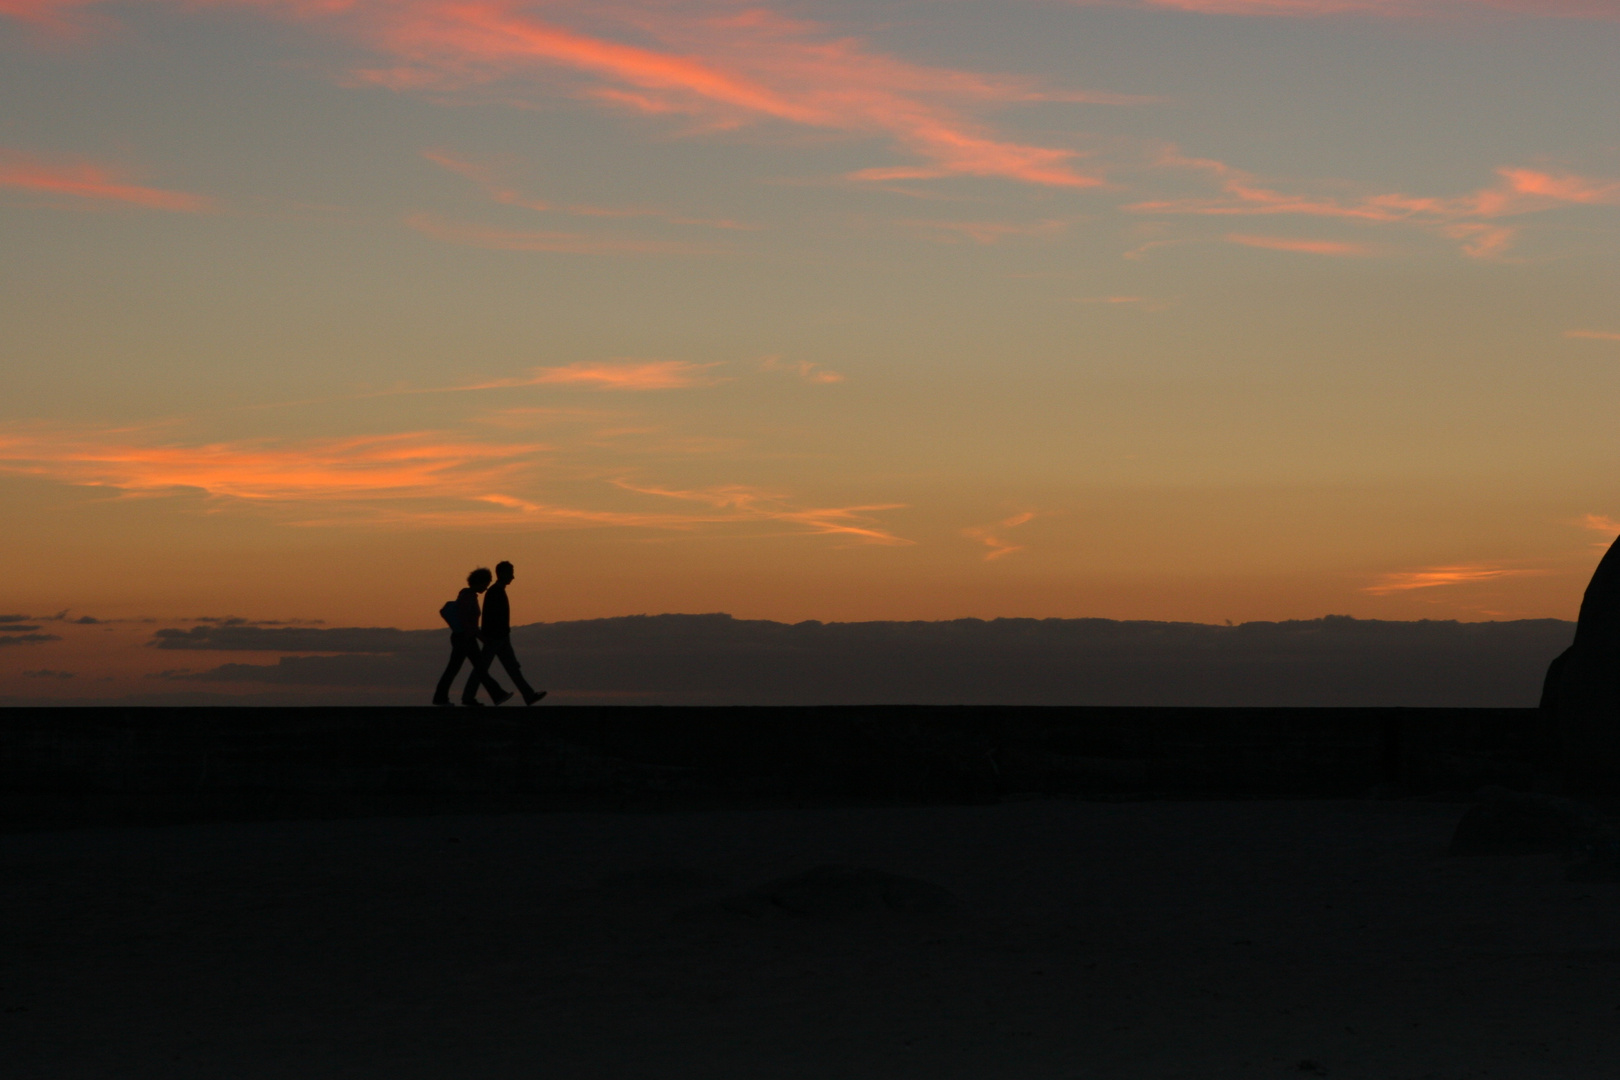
(497,633)
(462,615)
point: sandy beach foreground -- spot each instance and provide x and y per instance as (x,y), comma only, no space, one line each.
(1116,940)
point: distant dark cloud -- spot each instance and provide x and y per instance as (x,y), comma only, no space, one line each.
(27,639)
(237,620)
(1329,661)
(243,637)
(47,673)
(173,695)
(351,671)
(715,659)
(60,616)
(17,628)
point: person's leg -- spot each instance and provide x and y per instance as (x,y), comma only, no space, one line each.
(502,648)
(480,658)
(497,692)
(458,653)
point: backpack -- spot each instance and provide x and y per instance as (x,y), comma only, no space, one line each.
(451,613)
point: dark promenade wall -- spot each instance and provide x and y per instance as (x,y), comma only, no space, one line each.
(95,766)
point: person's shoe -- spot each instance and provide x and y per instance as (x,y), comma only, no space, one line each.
(473,701)
(534,698)
(445,704)
(503,697)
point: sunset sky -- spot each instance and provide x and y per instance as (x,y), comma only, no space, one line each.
(1170,309)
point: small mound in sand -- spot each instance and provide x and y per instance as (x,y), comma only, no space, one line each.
(836,892)
(1522,823)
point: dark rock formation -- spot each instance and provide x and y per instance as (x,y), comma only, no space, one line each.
(1521,823)
(1581,693)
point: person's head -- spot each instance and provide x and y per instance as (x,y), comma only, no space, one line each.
(479,579)
(504,572)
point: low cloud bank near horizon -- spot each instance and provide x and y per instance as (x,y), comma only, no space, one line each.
(719,660)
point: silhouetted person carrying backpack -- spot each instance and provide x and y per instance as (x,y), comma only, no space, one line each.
(462,616)
(497,633)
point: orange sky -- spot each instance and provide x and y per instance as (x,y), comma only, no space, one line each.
(1240,309)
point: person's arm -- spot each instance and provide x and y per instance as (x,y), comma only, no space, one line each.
(469,611)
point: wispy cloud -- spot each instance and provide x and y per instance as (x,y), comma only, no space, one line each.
(612,375)
(1601,523)
(543,513)
(989,536)
(571,243)
(1295,8)
(418,480)
(1525,190)
(485,177)
(719,64)
(1391,9)
(1594,335)
(1473,220)
(853,522)
(1439,576)
(63,18)
(590,374)
(409,464)
(490,179)
(1297,244)
(804,369)
(86,182)
(732,67)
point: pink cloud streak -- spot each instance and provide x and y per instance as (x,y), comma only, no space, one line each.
(58,17)
(484,176)
(1602,524)
(750,503)
(988,536)
(1470,219)
(631,375)
(405,464)
(1438,576)
(83,180)
(409,479)
(724,65)
(1393,9)
(807,370)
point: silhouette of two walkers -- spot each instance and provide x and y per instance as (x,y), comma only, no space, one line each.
(464,617)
